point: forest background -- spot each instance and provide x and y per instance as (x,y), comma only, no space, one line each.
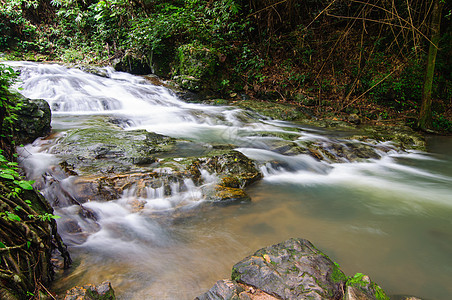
(330,58)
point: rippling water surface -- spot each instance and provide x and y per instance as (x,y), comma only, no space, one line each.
(390,218)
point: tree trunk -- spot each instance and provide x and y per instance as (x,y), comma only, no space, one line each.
(425,115)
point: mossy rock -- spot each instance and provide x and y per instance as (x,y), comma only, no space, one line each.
(108,148)
(293,269)
(33,121)
(402,137)
(231,164)
(195,64)
(360,287)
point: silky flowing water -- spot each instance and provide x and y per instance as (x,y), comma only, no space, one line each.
(390,218)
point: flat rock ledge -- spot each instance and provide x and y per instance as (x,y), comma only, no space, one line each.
(294,269)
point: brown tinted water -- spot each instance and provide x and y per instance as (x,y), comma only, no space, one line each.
(401,236)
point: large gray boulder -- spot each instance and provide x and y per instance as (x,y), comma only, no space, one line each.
(294,269)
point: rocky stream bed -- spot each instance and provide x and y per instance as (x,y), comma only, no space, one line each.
(105,158)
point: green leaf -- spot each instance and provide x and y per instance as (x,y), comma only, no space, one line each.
(13,217)
(9,171)
(2,245)
(24,184)
(28,244)
(6,176)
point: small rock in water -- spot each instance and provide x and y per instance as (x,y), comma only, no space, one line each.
(354,119)
(104,291)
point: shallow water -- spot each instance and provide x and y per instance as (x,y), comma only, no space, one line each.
(389,218)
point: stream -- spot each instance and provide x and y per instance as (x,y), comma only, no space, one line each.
(389,216)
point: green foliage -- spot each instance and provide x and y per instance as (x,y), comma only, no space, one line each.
(15,29)
(7,78)
(441,124)
(8,108)
(357,279)
(196,60)
(397,87)
(9,172)
(171,24)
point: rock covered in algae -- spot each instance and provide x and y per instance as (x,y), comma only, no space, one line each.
(235,171)
(293,269)
(232,166)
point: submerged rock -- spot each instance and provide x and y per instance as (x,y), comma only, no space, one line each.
(293,269)
(104,291)
(228,195)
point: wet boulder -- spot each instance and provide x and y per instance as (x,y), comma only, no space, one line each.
(228,195)
(233,168)
(402,137)
(223,289)
(235,172)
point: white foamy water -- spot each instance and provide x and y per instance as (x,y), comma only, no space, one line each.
(387,217)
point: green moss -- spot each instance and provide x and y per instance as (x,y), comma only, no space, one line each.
(357,280)
(235,275)
(367,285)
(379,293)
(337,275)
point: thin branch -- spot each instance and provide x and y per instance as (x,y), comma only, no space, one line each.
(268,7)
(390,12)
(371,88)
(325,9)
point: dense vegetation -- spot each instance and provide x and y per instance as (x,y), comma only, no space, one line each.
(334,57)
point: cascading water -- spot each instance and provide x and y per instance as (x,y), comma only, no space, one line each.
(381,212)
